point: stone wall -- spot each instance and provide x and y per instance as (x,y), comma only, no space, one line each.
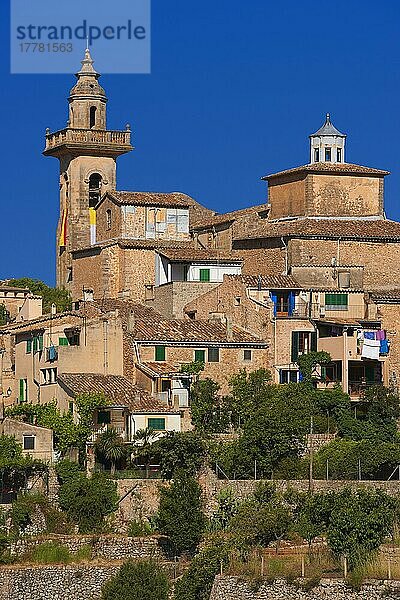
(54,582)
(110,547)
(233,588)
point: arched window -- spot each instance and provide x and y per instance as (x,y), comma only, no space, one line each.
(92,115)
(94,189)
(108,218)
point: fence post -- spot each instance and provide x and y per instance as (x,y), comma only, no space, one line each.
(220,567)
(345,567)
(327,469)
(303,566)
(255,469)
(175,559)
(262,566)
(389,570)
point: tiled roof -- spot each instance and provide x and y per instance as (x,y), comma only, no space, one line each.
(134,243)
(386,296)
(329,228)
(10,288)
(323,167)
(268,281)
(158,368)
(118,390)
(214,220)
(188,331)
(187,254)
(173,199)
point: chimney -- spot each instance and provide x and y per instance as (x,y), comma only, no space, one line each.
(131,321)
(229,332)
(53,309)
(88,295)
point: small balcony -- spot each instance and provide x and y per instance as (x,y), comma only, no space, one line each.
(117,142)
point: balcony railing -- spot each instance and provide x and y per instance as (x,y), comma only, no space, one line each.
(87,136)
(96,431)
(361,312)
(357,388)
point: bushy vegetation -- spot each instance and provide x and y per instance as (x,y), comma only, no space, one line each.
(88,500)
(54,553)
(143,580)
(27,505)
(180,515)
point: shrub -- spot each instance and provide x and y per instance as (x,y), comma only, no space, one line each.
(67,470)
(87,501)
(26,505)
(143,580)
(179,451)
(139,528)
(50,553)
(180,515)
(197,581)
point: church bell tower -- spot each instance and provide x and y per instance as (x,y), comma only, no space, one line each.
(87,152)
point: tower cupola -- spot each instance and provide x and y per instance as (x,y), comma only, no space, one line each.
(87,100)
(327,144)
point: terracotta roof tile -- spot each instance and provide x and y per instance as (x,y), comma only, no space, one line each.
(159,368)
(267,281)
(386,296)
(118,390)
(329,228)
(173,199)
(195,254)
(134,243)
(323,167)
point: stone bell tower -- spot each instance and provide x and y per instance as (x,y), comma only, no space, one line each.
(87,152)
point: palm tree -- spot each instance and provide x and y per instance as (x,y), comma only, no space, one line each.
(110,446)
(144,439)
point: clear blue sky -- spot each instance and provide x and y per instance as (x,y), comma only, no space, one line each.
(235,89)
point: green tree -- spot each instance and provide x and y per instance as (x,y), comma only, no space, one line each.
(313,514)
(209,410)
(179,451)
(87,501)
(143,446)
(197,581)
(143,580)
(180,515)
(227,508)
(111,447)
(60,297)
(359,523)
(309,362)
(249,392)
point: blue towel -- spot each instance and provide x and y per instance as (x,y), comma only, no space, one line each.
(52,353)
(369,335)
(384,347)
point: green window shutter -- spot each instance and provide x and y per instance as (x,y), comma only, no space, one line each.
(22,390)
(40,341)
(295,346)
(62,341)
(156,423)
(35,344)
(200,356)
(313,344)
(160,353)
(337,300)
(204,275)
(28,346)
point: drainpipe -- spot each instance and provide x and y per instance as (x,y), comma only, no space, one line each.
(286,256)
(345,373)
(105,340)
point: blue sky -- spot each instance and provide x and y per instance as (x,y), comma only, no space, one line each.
(235,89)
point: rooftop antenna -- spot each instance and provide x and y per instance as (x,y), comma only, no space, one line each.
(87,43)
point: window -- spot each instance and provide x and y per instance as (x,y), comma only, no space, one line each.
(156,423)
(344,279)
(182,221)
(213,355)
(23,390)
(302,343)
(73,338)
(28,346)
(49,375)
(63,341)
(328,154)
(331,372)
(247,355)
(108,219)
(29,442)
(92,117)
(204,275)
(339,155)
(288,376)
(94,189)
(71,407)
(284,303)
(336,301)
(103,417)
(200,355)
(237,301)
(160,353)
(316,155)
